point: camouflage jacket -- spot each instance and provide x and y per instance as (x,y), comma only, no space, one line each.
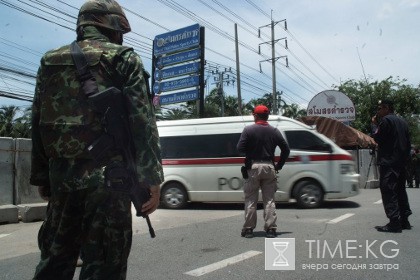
(63,124)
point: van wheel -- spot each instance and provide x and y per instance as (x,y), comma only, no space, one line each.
(174,196)
(309,194)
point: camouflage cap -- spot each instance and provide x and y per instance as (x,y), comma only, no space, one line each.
(103,13)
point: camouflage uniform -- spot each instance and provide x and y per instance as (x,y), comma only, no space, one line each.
(83,214)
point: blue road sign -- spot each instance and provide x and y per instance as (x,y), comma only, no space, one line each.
(190,68)
(181,39)
(187,82)
(156,88)
(168,60)
(179,97)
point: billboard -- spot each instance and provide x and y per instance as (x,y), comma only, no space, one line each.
(332,104)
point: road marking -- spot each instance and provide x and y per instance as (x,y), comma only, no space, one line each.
(341,218)
(378,202)
(224,263)
(4,235)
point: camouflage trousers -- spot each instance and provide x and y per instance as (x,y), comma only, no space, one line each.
(95,222)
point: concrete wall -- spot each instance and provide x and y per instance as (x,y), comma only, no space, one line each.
(25,192)
(19,200)
(6,171)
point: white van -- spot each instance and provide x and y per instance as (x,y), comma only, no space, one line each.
(201,163)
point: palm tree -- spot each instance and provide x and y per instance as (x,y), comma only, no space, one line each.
(293,111)
(266,100)
(7,116)
(214,102)
(177,113)
(22,125)
(13,126)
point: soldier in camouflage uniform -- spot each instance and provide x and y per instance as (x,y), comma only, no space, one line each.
(83,214)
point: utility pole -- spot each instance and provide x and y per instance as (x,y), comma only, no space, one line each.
(220,93)
(238,72)
(222,77)
(273,58)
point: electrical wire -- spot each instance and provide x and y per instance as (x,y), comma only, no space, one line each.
(48,11)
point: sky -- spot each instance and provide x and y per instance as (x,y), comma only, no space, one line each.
(328,41)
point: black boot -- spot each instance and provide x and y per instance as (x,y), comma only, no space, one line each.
(392,226)
(405,224)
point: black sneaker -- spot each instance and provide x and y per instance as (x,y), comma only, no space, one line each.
(271,233)
(247,233)
(395,228)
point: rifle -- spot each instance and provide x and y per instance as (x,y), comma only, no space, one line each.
(109,104)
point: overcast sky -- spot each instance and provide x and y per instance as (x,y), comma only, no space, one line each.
(328,41)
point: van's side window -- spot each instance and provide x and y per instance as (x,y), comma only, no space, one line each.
(200,146)
(304,140)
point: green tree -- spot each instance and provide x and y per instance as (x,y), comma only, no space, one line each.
(22,125)
(7,115)
(365,96)
(215,101)
(213,106)
(266,99)
(13,125)
(293,111)
(177,113)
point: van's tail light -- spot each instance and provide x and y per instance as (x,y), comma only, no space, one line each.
(347,169)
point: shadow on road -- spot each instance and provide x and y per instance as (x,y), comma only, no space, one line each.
(334,204)
(330,204)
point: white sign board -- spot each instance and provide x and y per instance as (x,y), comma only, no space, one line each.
(332,104)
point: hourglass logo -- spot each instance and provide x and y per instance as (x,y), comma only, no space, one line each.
(280,254)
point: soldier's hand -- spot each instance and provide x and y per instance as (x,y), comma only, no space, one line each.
(150,206)
(44,192)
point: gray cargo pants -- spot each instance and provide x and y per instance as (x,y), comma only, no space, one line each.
(261,175)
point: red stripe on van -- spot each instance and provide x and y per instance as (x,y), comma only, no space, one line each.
(318,158)
(216,161)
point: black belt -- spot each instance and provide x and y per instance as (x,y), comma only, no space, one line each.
(262,161)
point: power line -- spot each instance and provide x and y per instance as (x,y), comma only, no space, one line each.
(15,96)
(61,16)
(258,8)
(8,4)
(311,56)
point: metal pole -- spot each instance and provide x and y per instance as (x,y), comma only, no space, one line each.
(200,101)
(238,73)
(273,65)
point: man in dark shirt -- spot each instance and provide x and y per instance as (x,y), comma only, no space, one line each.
(258,142)
(394,146)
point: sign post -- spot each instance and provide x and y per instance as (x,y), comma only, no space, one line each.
(178,67)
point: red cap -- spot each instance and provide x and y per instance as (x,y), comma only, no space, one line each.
(261,109)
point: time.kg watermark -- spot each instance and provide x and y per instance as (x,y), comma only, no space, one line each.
(280,254)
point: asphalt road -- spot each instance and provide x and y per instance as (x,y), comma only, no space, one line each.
(336,241)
